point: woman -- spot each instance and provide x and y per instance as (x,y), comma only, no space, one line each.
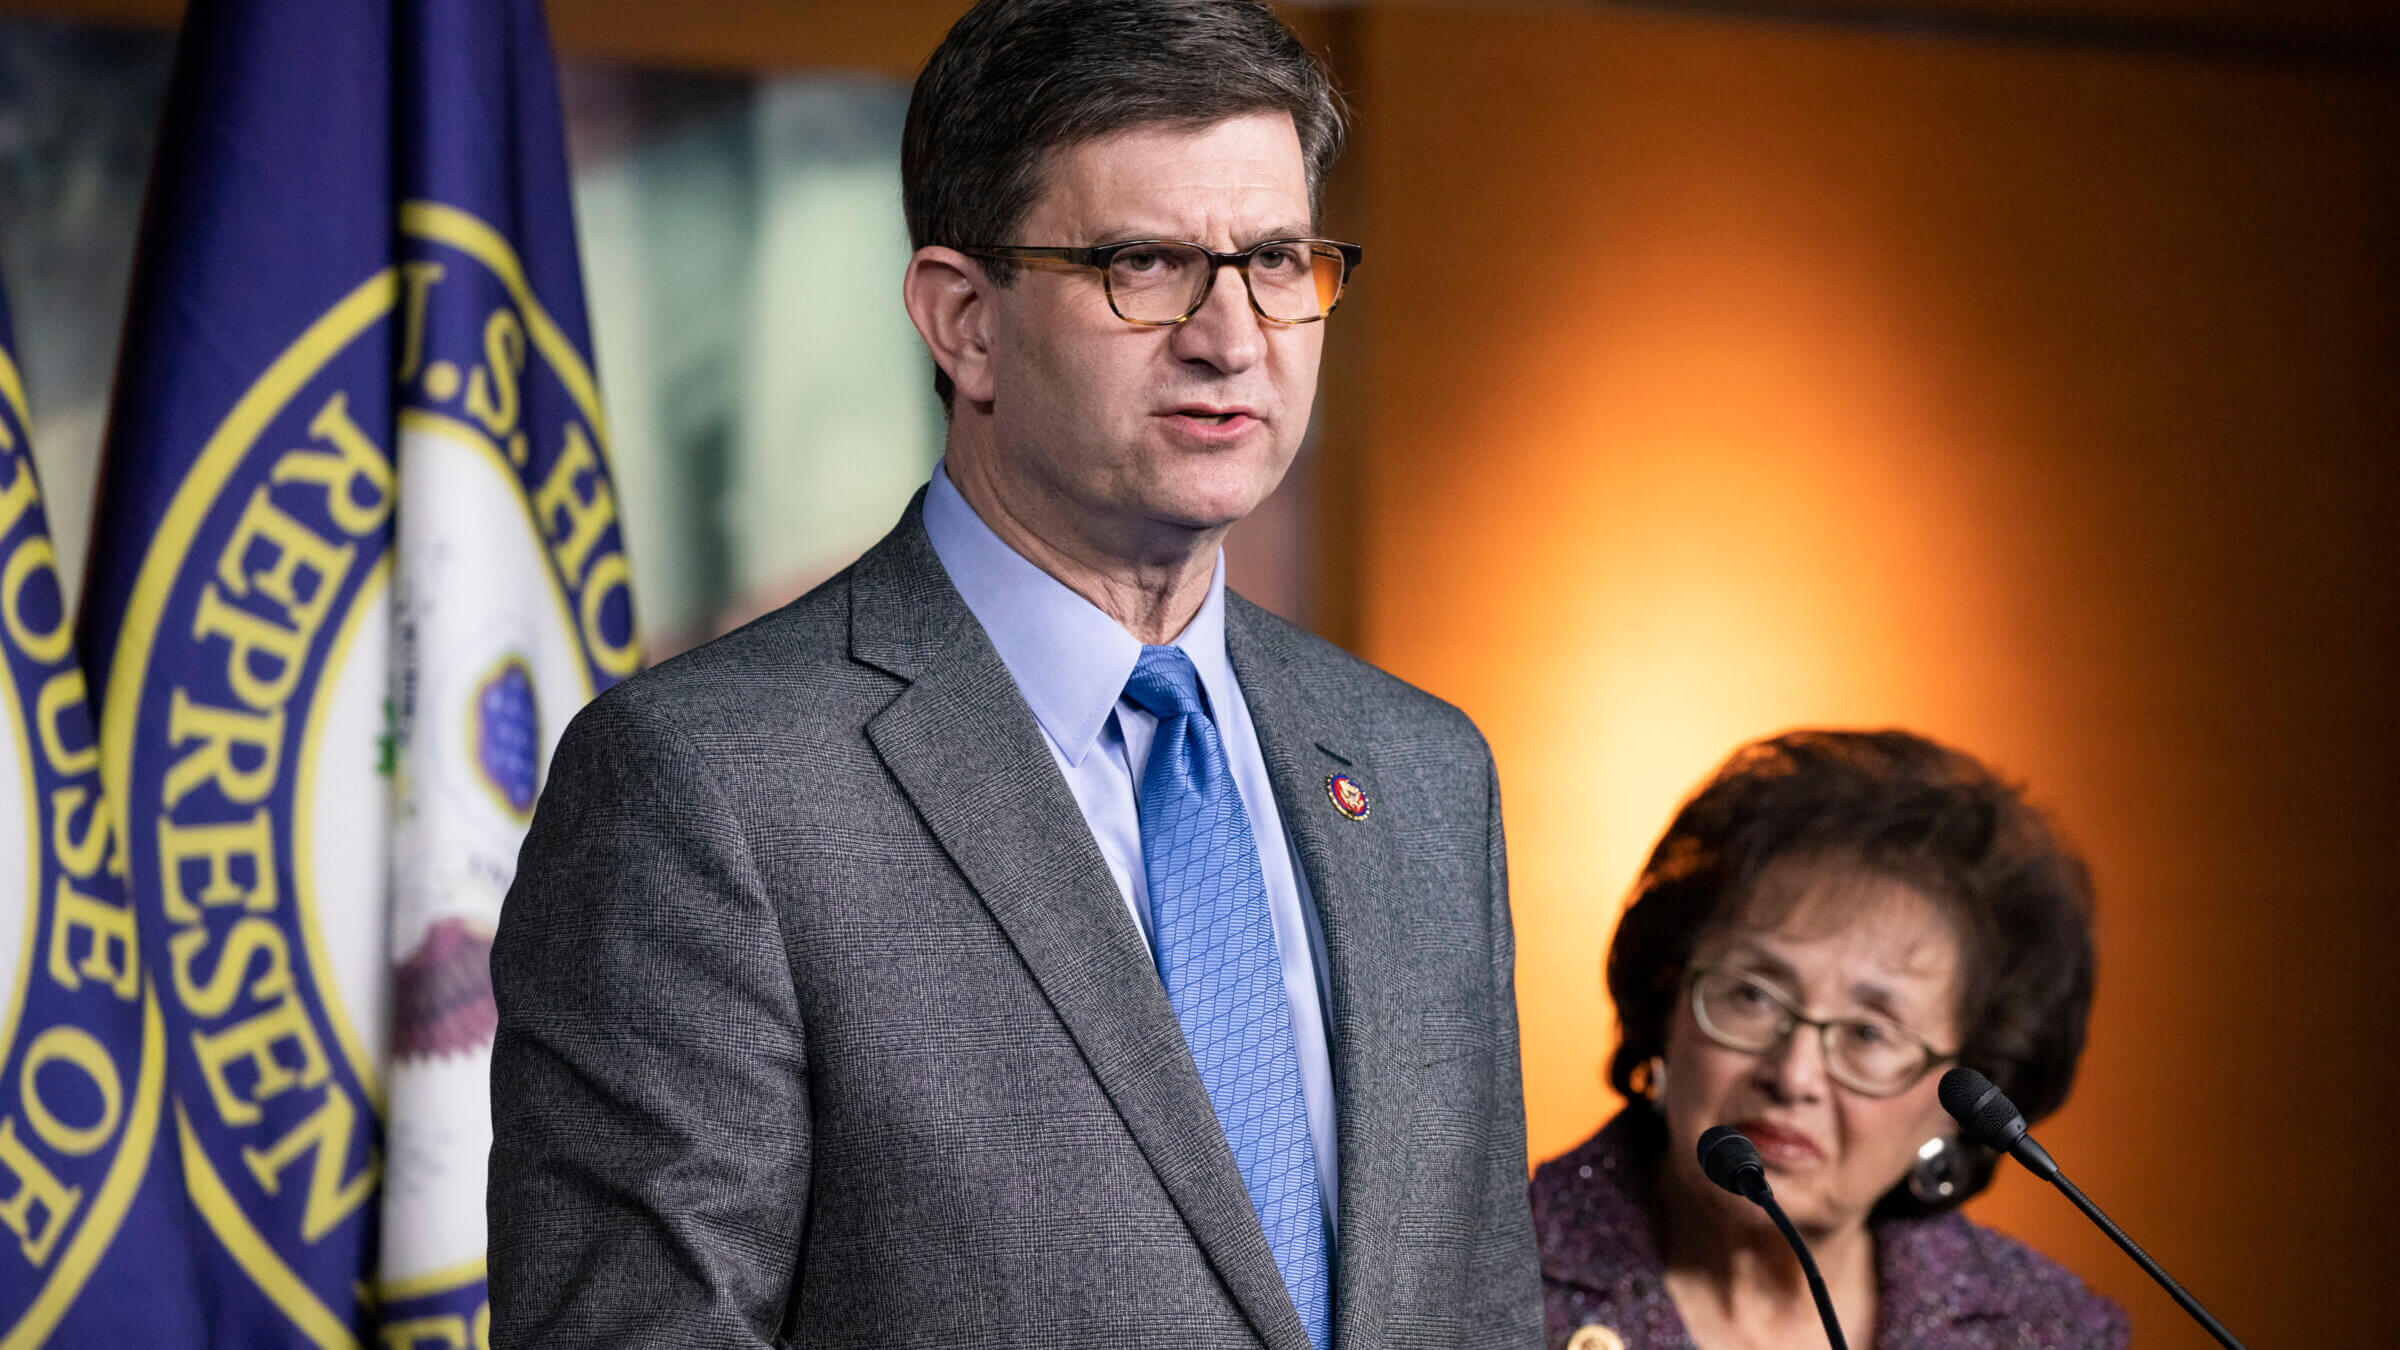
(1833,921)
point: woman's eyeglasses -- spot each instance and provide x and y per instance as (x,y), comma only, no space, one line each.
(1868,1055)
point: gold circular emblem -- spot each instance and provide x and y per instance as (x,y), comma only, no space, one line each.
(1593,1336)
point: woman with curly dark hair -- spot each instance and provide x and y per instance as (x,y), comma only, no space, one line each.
(1834,919)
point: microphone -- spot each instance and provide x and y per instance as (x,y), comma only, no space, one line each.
(1992,1120)
(1986,1115)
(1731,1161)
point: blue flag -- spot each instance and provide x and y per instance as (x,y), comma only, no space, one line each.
(357,562)
(83,1080)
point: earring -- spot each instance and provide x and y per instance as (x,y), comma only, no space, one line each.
(1933,1178)
(1654,1083)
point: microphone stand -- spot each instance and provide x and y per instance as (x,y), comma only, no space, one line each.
(1731,1161)
(2206,1319)
(1808,1266)
(1989,1118)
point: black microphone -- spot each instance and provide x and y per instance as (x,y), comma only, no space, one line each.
(1993,1121)
(1731,1161)
(1986,1115)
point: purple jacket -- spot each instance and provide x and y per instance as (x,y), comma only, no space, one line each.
(1946,1284)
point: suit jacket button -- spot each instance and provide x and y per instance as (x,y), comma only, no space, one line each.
(1593,1336)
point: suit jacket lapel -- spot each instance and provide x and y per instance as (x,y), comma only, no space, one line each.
(1354,877)
(967,751)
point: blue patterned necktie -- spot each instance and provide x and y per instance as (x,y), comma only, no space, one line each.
(1217,956)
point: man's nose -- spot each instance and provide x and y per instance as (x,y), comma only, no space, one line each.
(1226,333)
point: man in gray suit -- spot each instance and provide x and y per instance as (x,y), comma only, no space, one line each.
(1019,941)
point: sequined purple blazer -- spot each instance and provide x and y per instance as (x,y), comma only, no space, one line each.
(1946,1284)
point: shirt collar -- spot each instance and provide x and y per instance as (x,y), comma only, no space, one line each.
(1069,659)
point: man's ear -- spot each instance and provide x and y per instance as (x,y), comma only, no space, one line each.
(949,300)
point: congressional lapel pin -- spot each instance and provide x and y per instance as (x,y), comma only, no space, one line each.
(1348,797)
(1593,1336)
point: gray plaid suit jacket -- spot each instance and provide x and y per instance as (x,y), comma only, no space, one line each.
(822,1022)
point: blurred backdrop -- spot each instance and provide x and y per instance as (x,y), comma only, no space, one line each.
(2025,372)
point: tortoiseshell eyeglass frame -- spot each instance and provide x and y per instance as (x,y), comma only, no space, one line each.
(1100,256)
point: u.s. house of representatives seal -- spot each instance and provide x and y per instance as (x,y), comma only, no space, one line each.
(82,1079)
(389,575)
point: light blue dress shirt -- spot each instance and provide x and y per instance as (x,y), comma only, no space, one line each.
(1071,661)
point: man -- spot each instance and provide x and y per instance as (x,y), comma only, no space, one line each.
(1017,940)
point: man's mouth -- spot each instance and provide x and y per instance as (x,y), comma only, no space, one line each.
(1213,414)
(1213,425)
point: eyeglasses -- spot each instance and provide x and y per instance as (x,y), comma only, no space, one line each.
(1161,282)
(1869,1056)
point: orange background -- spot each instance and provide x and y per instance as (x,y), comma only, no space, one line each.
(1713,373)
(1719,377)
